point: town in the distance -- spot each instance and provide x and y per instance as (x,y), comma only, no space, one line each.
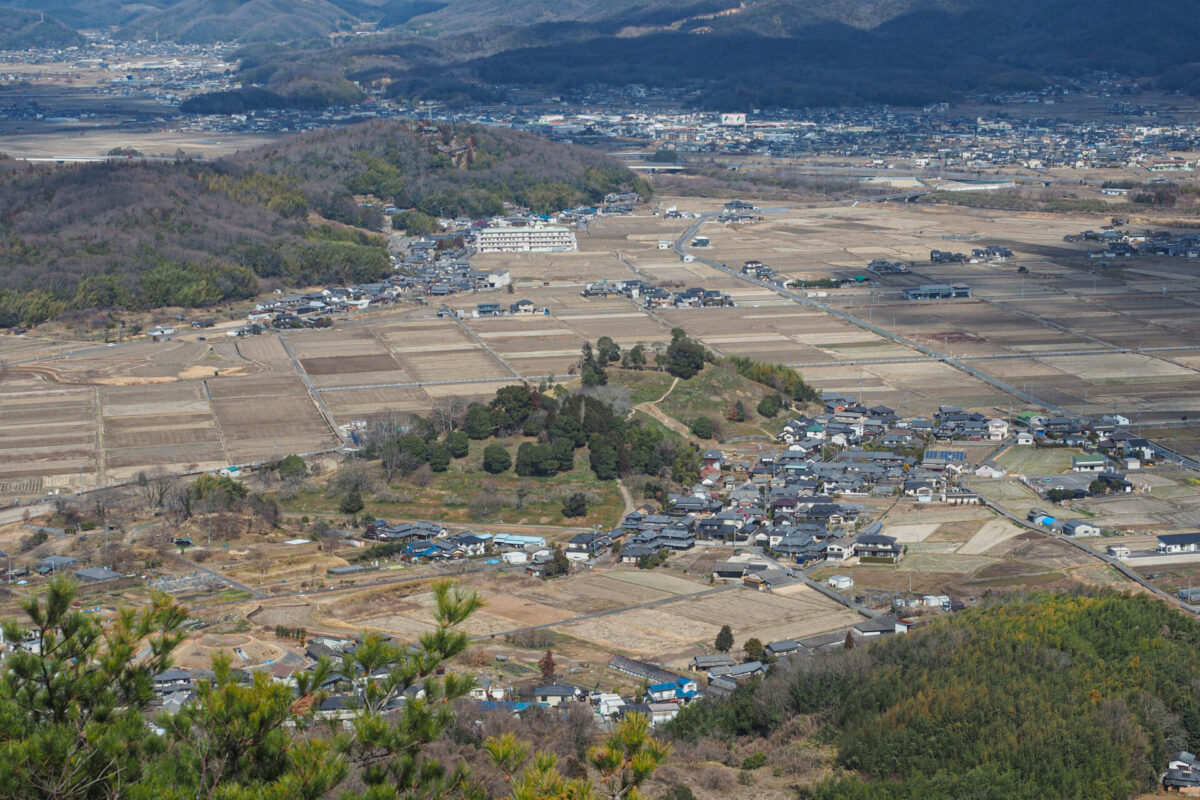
(399,403)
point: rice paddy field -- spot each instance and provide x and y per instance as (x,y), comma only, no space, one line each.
(1087,339)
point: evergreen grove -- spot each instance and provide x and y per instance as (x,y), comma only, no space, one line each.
(1043,697)
(74,719)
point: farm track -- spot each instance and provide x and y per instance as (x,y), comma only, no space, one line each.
(257,595)
(313,394)
(487,347)
(334,590)
(651,408)
(212,410)
(100,460)
(630,506)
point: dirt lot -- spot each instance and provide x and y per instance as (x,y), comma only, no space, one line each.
(668,630)
(677,627)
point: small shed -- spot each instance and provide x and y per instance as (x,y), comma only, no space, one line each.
(97,575)
(839,582)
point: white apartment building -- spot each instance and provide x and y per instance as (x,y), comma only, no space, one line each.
(544,239)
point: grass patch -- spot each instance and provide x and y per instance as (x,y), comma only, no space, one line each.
(644,385)
(710,393)
(1038,460)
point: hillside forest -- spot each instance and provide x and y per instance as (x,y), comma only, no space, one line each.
(135,235)
(1039,696)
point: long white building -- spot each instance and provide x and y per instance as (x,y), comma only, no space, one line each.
(544,239)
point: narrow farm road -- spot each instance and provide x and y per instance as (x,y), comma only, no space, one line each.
(651,408)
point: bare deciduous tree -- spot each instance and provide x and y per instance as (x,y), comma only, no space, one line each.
(446,412)
(354,475)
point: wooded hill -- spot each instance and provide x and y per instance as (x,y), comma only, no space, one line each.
(138,235)
(1045,696)
(21,30)
(444,171)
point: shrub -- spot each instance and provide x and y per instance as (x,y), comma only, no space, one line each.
(575,505)
(702,427)
(754,761)
(352,503)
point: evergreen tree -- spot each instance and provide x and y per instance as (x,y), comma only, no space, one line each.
(724,641)
(511,407)
(754,649)
(769,406)
(72,722)
(625,760)
(496,459)
(604,462)
(634,358)
(439,458)
(478,422)
(386,746)
(607,351)
(459,443)
(591,369)
(684,357)
(292,467)
(352,503)
(245,740)
(575,505)
(702,427)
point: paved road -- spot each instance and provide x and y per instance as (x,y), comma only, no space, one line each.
(222,577)
(484,526)
(1102,351)
(1115,563)
(17,513)
(802,574)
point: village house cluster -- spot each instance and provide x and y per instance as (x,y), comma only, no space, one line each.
(1116,243)
(652,296)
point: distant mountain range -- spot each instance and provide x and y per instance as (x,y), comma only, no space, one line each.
(733,54)
(804,52)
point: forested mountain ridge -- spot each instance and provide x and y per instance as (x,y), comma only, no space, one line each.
(1045,696)
(731,54)
(199,21)
(822,52)
(138,235)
